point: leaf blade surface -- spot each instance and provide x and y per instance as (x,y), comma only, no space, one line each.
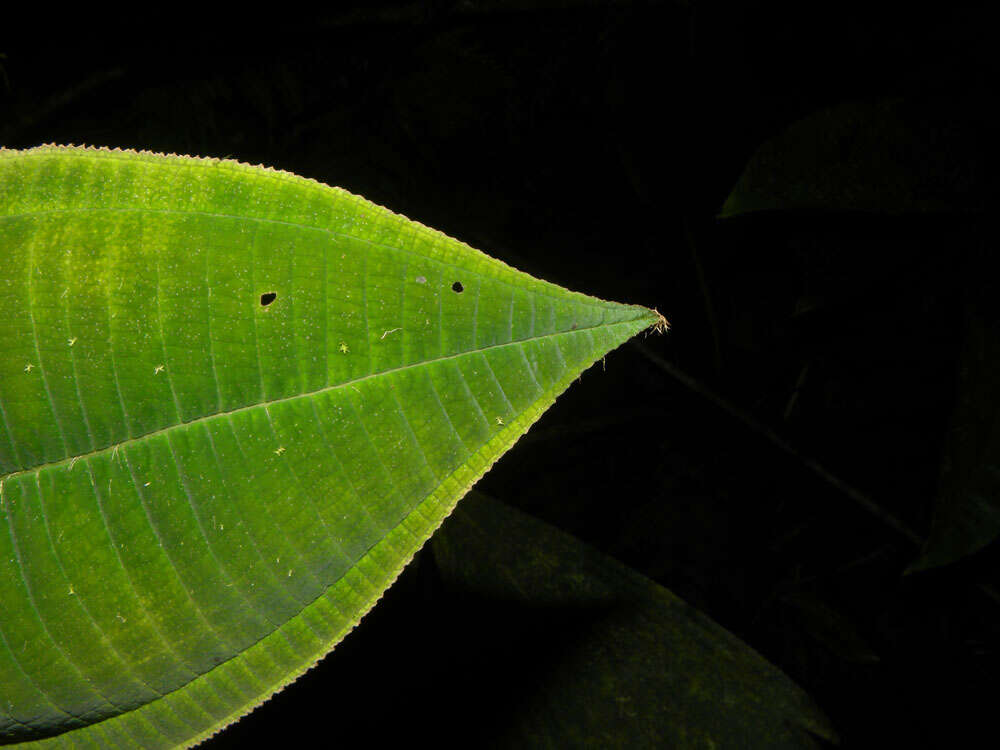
(234,404)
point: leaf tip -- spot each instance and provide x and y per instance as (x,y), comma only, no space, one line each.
(735,204)
(660,324)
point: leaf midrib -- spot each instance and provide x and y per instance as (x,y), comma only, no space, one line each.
(307,394)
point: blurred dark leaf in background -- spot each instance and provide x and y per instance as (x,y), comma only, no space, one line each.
(639,668)
(891,156)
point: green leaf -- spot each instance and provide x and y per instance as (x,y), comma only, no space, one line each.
(879,155)
(629,664)
(233,405)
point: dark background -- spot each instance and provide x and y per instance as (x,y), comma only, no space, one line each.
(592,144)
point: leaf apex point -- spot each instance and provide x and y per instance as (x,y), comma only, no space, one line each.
(661,325)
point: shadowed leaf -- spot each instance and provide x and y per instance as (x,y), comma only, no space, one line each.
(633,666)
(882,155)
(967,514)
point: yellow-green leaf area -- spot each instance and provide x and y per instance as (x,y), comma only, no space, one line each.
(234,403)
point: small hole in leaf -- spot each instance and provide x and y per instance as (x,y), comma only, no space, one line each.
(267,298)
(457,287)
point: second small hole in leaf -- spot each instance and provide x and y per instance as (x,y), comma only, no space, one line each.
(267,298)
(457,287)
